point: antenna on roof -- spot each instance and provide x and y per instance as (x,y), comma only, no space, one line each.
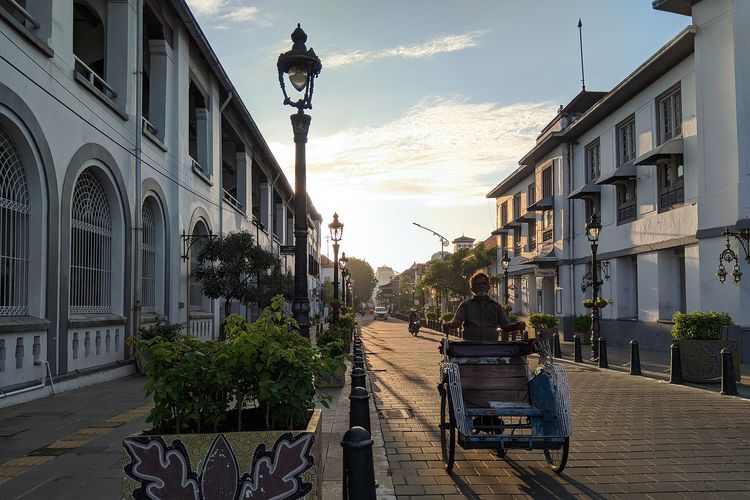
(580,41)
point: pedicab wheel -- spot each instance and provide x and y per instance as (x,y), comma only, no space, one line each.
(447,429)
(558,458)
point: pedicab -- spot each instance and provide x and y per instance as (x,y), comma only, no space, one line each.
(491,399)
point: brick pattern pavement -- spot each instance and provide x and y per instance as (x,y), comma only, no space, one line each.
(633,437)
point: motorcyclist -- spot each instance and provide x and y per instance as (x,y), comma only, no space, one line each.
(413,321)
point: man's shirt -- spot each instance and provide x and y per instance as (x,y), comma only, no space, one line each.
(481,319)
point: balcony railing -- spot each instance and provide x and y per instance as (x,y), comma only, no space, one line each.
(231,200)
(667,199)
(95,80)
(626,213)
(148,126)
(29,18)
(531,245)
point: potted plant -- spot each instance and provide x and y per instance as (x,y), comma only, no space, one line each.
(588,303)
(701,337)
(544,324)
(230,419)
(582,326)
(334,345)
(158,332)
(507,307)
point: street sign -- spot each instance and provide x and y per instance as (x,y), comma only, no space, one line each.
(286,249)
(545,273)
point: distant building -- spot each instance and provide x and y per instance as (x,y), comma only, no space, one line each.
(462,242)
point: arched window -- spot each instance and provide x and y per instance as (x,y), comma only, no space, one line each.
(90,248)
(197,300)
(149,248)
(14,230)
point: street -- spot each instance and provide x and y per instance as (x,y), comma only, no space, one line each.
(632,435)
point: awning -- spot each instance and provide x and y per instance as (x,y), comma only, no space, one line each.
(511,224)
(588,190)
(526,217)
(672,147)
(499,231)
(624,173)
(541,204)
(548,259)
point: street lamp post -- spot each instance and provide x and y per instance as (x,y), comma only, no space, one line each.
(505,263)
(302,66)
(443,243)
(343,261)
(593,227)
(336,229)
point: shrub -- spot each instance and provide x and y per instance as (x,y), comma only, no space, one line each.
(582,323)
(703,325)
(541,321)
(432,315)
(446,316)
(195,383)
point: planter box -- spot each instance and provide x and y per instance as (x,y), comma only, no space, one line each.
(700,360)
(331,381)
(255,464)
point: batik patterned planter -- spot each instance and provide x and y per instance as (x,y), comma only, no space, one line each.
(225,466)
(700,360)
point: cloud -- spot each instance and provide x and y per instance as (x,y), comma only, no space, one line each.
(224,11)
(440,45)
(207,8)
(442,151)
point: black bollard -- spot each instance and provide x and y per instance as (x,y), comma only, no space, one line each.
(603,353)
(635,358)
(728,384)
(359,408)
(358,351)
(577,356)
(525,336)
(556,345)
(359,362)
(358,377)
(359,471)
(675,371)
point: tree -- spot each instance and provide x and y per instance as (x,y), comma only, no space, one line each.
(327,291)
(364,279)
(236,271)
(451,275)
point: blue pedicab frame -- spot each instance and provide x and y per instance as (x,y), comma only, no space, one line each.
(542,420)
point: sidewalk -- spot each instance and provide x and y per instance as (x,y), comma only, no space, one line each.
(654,364)
(69,446)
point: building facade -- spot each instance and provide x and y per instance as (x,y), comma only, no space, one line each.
(123,147)
(663,159)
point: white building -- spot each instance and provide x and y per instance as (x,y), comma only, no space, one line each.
(664,159)
(462,242)
(97,171)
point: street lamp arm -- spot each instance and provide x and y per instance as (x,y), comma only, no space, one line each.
(443,240)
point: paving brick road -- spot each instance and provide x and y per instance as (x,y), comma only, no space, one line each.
(633,437)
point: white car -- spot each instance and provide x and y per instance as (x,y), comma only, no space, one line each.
(381,313)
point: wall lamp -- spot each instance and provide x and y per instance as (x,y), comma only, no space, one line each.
(728,255)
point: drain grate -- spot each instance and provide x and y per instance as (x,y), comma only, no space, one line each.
(396,414)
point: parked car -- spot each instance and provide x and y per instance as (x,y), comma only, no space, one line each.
(381,313)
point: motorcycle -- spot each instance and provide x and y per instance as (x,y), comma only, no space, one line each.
(414,327)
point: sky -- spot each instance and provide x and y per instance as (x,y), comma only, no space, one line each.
(423,106)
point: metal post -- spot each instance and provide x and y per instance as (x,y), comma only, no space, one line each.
(728,383)
(603,353)
(675,370)
(577,356)
(335,281)
(301,304)
(358,378)
(595,308)
(506,294)
(359,408)
(635,358)
(359,362)
(556,345)
(359,471)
